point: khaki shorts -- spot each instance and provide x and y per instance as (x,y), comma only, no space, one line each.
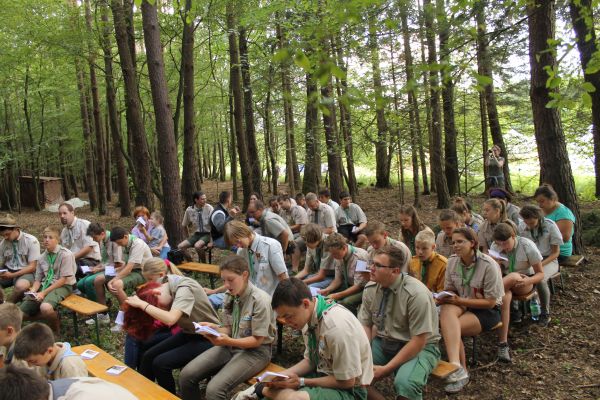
(32,307)
(5,283)
(197,236)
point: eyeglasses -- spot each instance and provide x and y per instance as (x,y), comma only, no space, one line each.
(377,265)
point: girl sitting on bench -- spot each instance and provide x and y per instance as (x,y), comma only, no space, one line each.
(410,225)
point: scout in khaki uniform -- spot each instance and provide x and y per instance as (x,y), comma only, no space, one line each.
(74,237)
(35,345)
(428,266)
(351,220)
(377,237)
(244,347)
(449,220)
(348,284)
(54,280)
(198,218)
(264,255)
(337,363)
(522,272)
(318,269)
(494,212)
(179,300)
(129,276)
(19,252)
(23,383)
(475,280)
(325,198)
(320,214)
(468,217)
(293,214)
(400,318)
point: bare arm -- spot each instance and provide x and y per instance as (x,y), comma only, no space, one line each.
(83,252)
(345,293)
(554,253)
(566,227)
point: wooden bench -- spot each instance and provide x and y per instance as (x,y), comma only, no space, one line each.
(474,347)
(211,269)
(441,371)
(572,261)
(87,308)
(137,384)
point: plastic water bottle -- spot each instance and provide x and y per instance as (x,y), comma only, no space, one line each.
(534,305)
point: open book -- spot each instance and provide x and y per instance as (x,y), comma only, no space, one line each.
(270,376)
(442,294)
(205,329)
(496,255)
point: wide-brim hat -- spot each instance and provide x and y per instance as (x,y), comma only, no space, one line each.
(8,221)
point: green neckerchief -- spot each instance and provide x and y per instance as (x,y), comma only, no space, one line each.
(235,314)
(128,247)
(104,249)
(411,243)
(322,305)
(382,306)
(424,266)
(51,257)
(512,257)
(318,257)
(251,262)
(466,277)
(346,211)
(16,260)
(345,267)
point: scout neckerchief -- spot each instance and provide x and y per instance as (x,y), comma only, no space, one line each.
(51,258)
(466,277)
(235,314)
(318,256)
(424,267)
(128,247)
(200,221)
(322,305)
(104,247)
(347,212)
(382,306)
(16,259)
(345,266)
(512,257)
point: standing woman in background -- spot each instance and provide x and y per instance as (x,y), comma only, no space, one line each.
(494,164)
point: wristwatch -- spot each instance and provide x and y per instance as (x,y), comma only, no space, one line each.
(302,382)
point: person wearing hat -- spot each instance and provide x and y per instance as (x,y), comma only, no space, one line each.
(19,252)
(512,211)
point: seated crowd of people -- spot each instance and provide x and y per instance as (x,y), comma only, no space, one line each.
(367,305)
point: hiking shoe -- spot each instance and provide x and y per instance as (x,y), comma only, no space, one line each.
(516,317)
(504,353)
(116,328)
(544,320)
(248,394)
(104,319)
(457,380)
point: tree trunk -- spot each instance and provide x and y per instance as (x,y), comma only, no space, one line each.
(426,189)
(142,175)
(582,18)
(555,167)
(450,152)
(107,160)
(232,144)
(413,106)
(268,126)
(485,69)
(190,180)
(100,165)
(167,157)
(312,158)
(253,154)
(113,117)
(435,147)
(238,102)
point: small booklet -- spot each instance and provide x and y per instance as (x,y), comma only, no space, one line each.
(3,271)
(85,269)
(141,221)
(205,329)
(495,254)
(361,266)
(314,291)
(116,370)
(109,270)
(31,295)
(354,229)
(442,294)
(89,354)
(270,376)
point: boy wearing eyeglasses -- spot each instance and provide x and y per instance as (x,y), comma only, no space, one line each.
(399,316)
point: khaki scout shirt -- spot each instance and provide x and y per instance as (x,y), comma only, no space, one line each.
(323,216)
(28,250)
(526,254)
(443,244)
(486,282)
(344,349)
(110,251)
(88,389)
(75,238)
(191,217)
(256,315)
(409,310)
(550,236)
(353,215)
(136,252)
(435,274)
(346,268)
(64,266)
(271,225)
(190,298)
(267,262)
(66,364)
(296,215)
(319,258)
(398,244)
(485,233)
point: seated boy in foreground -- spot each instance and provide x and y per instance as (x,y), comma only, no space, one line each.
(427,265)
(337,360)
(11,319)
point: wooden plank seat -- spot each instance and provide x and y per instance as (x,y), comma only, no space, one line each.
(570,262)
(85,307)
(573,261)
(211,269)
(137,384)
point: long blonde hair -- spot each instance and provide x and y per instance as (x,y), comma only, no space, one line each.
(157,266)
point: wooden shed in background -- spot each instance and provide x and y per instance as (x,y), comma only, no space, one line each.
(49,191)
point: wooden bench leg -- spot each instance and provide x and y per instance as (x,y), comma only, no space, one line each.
(279,337)
(210,255)
(212,280)
(474,355)
(97,330)
(75,327)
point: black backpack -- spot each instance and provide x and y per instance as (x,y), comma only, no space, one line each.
(176,256)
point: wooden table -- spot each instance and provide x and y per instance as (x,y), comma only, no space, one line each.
(137,384)
(211,269)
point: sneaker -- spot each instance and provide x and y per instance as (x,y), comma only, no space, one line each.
(104,319)
(116,328)
(248,394)
(457,380)
(504,352)
(544,320)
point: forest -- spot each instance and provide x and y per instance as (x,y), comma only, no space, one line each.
(142,102)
